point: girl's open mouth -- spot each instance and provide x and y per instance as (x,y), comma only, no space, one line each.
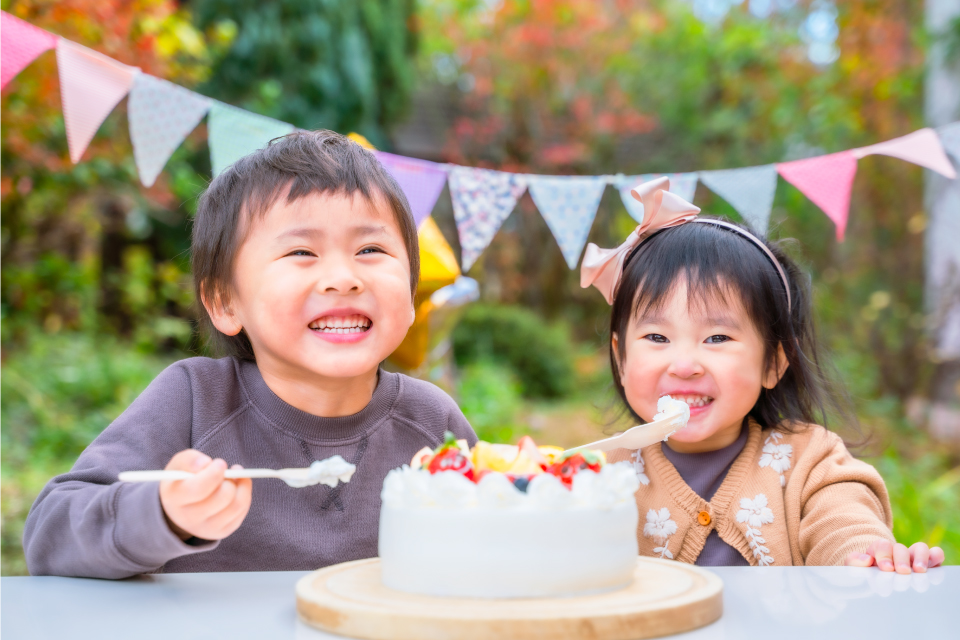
(694,401)
(334,325)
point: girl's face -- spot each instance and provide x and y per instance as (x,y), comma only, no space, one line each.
(711,358)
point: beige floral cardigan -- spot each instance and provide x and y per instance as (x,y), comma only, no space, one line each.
(788,499)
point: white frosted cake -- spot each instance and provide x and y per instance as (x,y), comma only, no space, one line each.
(508,522)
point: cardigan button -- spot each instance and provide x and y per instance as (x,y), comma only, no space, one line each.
(703,518)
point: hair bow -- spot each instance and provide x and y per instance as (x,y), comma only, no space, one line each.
(662,209)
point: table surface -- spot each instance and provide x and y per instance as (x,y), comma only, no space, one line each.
(770,602)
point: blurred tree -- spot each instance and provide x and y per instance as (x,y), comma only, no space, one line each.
(84,246)
(342,65)
(637,86)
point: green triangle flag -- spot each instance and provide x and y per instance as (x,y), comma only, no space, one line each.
(234,133)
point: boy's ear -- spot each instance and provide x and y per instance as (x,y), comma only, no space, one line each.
(220,314)
(776,371)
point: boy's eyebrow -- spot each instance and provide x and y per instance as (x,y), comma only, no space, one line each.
(311,233)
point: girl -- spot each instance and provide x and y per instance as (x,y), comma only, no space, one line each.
(712,315)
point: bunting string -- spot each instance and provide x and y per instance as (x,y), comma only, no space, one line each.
(163,114)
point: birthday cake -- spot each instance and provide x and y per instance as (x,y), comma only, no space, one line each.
(503,521)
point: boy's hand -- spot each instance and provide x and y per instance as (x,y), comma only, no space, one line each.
(897,557)
(206,506)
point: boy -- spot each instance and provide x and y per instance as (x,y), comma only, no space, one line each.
(305,259)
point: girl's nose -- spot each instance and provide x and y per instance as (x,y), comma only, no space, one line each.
(685,367)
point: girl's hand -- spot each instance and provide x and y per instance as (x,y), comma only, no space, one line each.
(897,557)
(206,506)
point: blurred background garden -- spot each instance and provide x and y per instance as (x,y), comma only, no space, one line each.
(97,295)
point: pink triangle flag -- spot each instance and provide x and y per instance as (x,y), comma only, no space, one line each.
(920,147)
(827,181)
(91,85)
(20,44)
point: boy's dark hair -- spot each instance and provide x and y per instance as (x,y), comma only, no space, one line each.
(716,263)
(293,166)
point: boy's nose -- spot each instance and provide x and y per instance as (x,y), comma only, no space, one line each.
(339,277)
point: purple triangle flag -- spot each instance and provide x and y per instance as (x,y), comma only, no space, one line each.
(421,181)
(161,115)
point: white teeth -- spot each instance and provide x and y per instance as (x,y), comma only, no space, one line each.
(693,401)
(341,324)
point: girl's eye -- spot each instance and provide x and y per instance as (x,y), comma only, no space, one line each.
(718,339)
(656,338)
(369,250)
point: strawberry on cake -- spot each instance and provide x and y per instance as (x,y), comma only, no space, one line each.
(502,521)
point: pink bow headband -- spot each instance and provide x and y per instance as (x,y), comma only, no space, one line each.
(662,209)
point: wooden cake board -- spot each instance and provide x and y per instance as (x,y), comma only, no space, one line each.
(666,597)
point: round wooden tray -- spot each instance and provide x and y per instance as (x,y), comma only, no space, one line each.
(666,597)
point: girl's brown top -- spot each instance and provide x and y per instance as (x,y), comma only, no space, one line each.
(788,499)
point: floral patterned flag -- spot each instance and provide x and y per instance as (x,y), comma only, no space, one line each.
(568,204)
(920,147)
(91,85)
(421,181)
(234,133)
(950,138)
(161,115)
(749,190)
(20,44)
(482,200)
(682,184)
(827,181)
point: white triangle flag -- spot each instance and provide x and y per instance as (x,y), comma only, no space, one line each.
(568,205)
(91,85)
(235,133)
(682,184)
(161,115)
(749,190)
(950,138)
(482,200)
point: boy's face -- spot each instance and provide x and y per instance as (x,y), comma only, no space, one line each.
(321,286)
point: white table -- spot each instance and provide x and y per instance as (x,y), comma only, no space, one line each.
(775,603)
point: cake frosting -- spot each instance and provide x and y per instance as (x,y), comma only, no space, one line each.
(450,528)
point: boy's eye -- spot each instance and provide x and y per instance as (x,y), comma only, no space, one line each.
(718,339)
(301,252)
(656,338)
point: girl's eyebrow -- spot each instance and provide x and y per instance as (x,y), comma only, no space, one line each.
(311,233)
(722,321)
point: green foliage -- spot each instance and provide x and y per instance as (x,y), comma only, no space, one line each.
(489,396)
(540,355)
(341,65)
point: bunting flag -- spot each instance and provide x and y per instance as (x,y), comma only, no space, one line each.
(749,190)
(234,133)
(161,115)
(482,200)
(827,181)
(421,181)
(568,205)
(20,44)
(920,147)
(950,138)
(682,184)
(91,85)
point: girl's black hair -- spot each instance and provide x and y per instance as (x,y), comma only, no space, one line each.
(714,263)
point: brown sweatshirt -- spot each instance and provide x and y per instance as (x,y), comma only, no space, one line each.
(86,523)
(788,499)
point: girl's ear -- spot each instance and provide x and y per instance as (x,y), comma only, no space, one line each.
(776,371)
(221,315)
(615,344)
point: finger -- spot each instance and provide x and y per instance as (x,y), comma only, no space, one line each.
(919,556)
(203,484)
(936,557)
(901,558)
(188,460)
(218,500)
(883,553)
(229,521)
(859,560)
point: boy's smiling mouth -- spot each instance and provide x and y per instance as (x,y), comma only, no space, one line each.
(336,324)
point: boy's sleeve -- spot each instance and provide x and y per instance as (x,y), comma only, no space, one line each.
(844,507)
(85,523)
